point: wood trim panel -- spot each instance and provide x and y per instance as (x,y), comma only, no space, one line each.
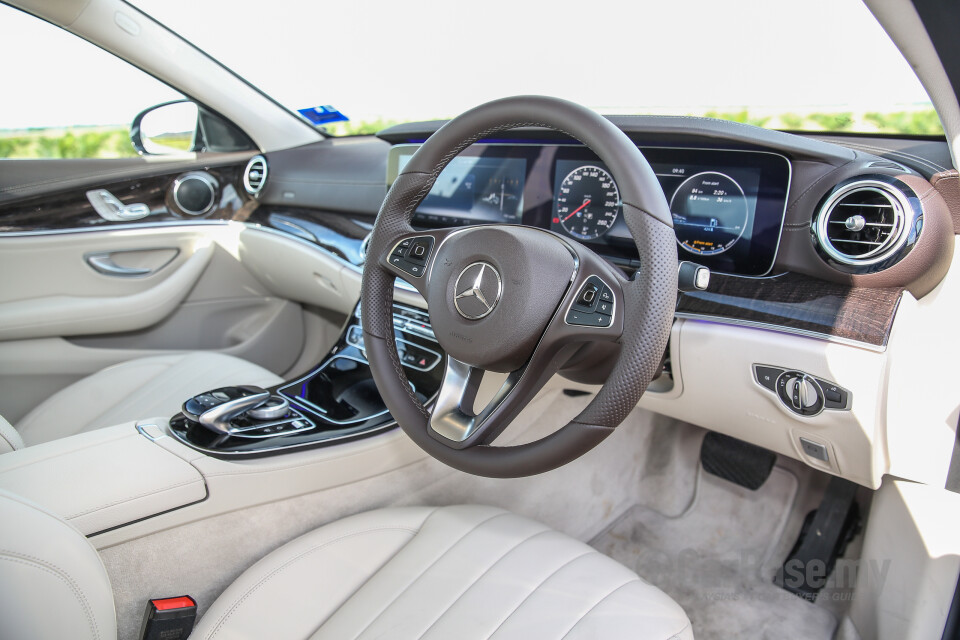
(801,303)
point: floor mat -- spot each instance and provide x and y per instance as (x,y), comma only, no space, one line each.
(716,560)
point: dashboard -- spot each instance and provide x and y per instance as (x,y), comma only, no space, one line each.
(728,205)
(748,203)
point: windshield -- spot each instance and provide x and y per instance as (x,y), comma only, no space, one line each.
(823,65)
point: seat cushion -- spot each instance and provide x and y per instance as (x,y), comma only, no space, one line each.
(10,439)
(449,572)
(136,389)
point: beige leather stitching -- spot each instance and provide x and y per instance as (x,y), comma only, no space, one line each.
(9,443)
(597,604)
(57,572)
(537,588)
(679,634)
(136,497)
(481,577)
(430,566)
(236,605)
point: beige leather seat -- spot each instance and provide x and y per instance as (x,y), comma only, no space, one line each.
(450,572)
(141,388)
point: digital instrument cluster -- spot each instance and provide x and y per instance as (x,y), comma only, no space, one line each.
(727,206)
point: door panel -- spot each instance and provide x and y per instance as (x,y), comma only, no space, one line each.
(61,319)
(268,331)
(97,310)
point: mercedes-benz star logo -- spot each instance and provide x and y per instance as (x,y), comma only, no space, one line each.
(477,290)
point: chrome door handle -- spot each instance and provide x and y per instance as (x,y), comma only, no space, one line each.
(103,263)
(109,207)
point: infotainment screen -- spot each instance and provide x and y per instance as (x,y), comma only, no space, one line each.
(477,189)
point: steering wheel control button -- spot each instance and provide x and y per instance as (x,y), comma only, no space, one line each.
(593,306)
(411,254)
(767,376)
(477,290)
(419,249)
(588,295)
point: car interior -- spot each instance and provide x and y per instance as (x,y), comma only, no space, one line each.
(533,371)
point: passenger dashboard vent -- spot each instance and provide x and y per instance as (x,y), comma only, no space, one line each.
(863,222)
(255,175)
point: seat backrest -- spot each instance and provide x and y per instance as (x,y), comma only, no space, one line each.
(52,582)
(10,439)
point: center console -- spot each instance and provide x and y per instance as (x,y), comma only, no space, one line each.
(336,401)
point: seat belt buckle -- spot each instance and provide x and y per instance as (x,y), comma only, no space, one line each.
(168,618)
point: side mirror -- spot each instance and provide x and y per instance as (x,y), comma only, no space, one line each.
(183,126)
(166,128)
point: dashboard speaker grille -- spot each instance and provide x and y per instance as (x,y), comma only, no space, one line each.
(255,175)
(862,223)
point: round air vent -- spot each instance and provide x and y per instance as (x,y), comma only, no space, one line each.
(867,222)
(195,193)
(255,175)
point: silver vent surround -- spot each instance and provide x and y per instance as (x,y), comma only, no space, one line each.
(893,221)
(207,181)
(255,175)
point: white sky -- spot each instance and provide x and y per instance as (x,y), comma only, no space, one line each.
(423,59)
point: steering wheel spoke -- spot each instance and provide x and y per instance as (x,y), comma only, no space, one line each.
(454,420)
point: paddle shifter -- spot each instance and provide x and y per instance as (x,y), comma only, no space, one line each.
(235,410)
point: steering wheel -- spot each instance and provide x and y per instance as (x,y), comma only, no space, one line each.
(516,300)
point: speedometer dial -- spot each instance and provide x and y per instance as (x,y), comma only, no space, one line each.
(710,213)
(588,202)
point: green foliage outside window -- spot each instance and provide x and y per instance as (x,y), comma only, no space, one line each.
(114,142)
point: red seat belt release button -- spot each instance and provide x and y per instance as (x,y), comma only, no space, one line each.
(169,618)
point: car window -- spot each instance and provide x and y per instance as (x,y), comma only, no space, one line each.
(821,65)
(65,97)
